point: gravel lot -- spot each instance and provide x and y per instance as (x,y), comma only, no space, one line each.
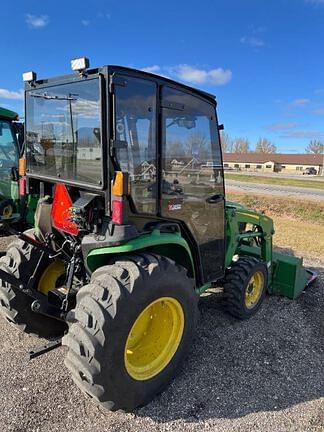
(263,374)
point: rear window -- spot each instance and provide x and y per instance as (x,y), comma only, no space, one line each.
(63,132)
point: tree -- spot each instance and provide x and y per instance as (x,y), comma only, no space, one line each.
(241,145)
(226,143)
(315,146)
(265,146)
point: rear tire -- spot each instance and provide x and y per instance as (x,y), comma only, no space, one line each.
(240,300)
(99,357)
(20,261)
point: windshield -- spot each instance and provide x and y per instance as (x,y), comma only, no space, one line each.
(63,132)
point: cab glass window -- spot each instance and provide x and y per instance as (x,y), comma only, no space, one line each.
(135,139)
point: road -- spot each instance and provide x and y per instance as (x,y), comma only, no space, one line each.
(276,190)
(262,374)
(278,175)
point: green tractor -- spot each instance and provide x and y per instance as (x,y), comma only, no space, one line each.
(131,227)
(11,148)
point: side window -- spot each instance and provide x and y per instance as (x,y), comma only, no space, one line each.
(135,130)
(191,150)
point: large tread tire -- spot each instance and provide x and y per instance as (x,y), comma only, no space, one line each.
(20,261)
(105,311)
(235,285)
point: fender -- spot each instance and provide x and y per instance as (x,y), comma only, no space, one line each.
(171,245)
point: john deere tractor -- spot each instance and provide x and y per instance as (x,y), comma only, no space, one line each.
(131,227)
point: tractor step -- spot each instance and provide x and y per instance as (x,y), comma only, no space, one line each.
(38,351)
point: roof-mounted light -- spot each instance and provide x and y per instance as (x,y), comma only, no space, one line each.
(80,64)
(29,76)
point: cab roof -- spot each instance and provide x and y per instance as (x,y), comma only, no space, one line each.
(119,69)
(8,114)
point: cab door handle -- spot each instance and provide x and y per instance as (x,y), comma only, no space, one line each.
(215,199)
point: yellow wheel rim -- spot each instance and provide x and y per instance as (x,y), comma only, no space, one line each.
(154,338)
(50,277)
(254,290)
(7,211)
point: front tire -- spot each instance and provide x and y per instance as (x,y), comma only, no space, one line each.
(134,324)
(245,287)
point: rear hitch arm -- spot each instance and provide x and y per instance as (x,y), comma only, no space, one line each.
(38,351)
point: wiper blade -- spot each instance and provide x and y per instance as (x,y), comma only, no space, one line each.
(54,97)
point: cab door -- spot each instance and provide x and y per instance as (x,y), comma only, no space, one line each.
(192,174)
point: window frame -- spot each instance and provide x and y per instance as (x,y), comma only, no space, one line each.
(102,112)
(163,137)
(129,76)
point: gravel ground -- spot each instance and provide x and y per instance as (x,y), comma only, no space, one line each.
(263,374)
(276,190)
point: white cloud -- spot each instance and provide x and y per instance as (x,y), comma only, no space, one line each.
(104,15)
(253,41)
(37,21)
(280,126)
(319,111)
(152,69)
(315,2)
(304,134)
(8,94)
(300,102)
(193,75)
(85,23)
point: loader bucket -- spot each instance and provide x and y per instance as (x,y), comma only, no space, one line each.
(289,277)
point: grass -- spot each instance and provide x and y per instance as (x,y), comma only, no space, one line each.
(299,224)
(310,184)
(308,211)
(303,238)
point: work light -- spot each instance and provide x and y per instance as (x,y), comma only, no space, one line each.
(29,76)
(80,64)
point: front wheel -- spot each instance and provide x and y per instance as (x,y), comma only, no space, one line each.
(134,324)
(245,287)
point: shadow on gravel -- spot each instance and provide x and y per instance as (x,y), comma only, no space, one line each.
(270,362)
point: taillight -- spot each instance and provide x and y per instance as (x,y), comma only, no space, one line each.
(118,210)
(120,188)
(22,186)
(22,167)
(61,210)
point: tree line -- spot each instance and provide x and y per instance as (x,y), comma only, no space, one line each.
(263,145)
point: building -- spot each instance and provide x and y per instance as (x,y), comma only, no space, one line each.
(273,162)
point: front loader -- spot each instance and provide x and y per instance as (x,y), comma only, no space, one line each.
(131,227)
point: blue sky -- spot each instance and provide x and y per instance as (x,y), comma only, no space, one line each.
(262,59)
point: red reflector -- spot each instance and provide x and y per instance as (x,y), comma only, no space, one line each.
(118,211)
(22,186)
(61,210)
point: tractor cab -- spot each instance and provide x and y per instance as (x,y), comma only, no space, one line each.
(159,138)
